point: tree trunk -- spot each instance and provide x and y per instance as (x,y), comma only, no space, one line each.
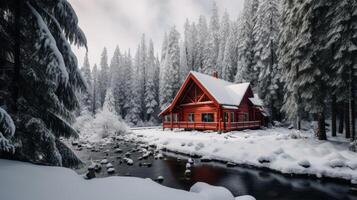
(321,132)
(333,117)
(347,121)
(17,56)
(352,105)
(341,119)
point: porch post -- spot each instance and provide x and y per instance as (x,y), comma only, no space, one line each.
(219,119)
(171,121)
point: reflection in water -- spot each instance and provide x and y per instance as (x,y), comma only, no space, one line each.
(261,184)
(240,180)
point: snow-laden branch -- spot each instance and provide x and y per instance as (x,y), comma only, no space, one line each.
(7,131)
(57,61)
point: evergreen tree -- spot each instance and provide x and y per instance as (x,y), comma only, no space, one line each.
(223,36)
(184,69)
(44,76)
(202,32)
(103,79)
(170,71)
(341,42)
(135,109)
(117,80)
(150,92)
(266,32)
(85,97)
(95,96)
(127,82)
(246,65)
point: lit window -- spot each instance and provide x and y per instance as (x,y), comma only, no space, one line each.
(175,117)
(245,117)
(191,117)
(225,118)
(167,118)
(207,117)
(232,117)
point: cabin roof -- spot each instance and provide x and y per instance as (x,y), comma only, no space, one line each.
(226,93)
(256,100)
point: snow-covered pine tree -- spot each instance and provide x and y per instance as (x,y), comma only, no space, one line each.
(184,69)
(211,47)
(151,103)
(342,42)
(109,102)
(214,32)
(103,79)
(229,63)
(117,83)
(143,65)
(266,31)
(246,65)
(44,90)
(170,71)
(135,109)
(95,90)
(307,64)
(223,37)
(187,46)
(202,32)
(85,97)
(127,81)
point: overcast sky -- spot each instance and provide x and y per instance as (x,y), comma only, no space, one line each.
(107,23)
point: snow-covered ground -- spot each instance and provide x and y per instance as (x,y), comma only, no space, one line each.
(284,150)
(19,181)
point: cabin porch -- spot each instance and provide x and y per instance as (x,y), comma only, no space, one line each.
(215,126)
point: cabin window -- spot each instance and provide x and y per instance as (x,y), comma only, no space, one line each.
(225,118)
(167,118)
(245,117)
(191,117)
(232,117)
(175,117)
(207,117)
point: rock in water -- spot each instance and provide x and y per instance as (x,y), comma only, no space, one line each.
(231,164)
(188,165)
(187,172)
(304,163)
(117,150)
(90,174)
(127,154)
(104,161)
(109,165)
(160,179)
(159,156)
(206,159)
(111,170)
(190,160)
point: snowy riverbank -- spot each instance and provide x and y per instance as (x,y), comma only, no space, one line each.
(21,180)
(280,149)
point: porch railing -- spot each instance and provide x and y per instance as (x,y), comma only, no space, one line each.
(213,125)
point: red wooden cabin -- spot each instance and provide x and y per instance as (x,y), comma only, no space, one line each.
(207,103)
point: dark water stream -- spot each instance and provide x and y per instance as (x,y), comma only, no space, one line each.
(263,185)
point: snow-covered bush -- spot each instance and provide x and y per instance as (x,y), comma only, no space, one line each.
(7,131)
(105,123)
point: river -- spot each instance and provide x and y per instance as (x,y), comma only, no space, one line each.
(262,184)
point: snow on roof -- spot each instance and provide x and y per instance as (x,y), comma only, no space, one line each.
(223,91)
(256,100)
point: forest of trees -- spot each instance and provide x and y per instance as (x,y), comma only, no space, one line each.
(299,56)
